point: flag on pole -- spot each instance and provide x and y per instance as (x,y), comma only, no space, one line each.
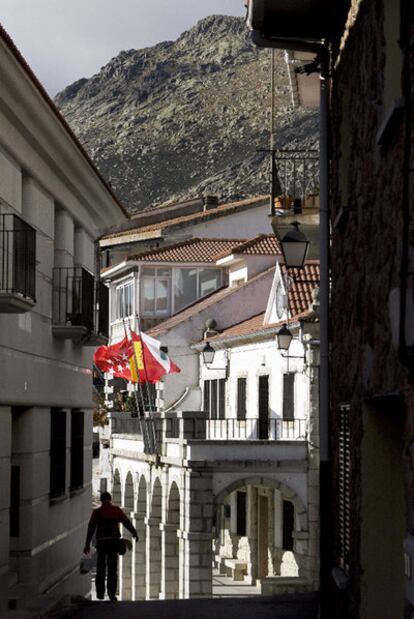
(148,362)
(138,359)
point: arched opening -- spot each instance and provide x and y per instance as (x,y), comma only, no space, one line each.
(255,532)
(154,543)
(126,560)
(170,555)
(140,546)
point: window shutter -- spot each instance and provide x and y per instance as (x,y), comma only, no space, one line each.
(344,448)
(213,399)
(241,398)
(206,398)
(222,399)
(57,452)
(289,396)
(76,449)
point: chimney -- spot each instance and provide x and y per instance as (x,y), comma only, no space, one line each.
(210,202)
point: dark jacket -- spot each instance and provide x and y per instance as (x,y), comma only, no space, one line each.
(105,520)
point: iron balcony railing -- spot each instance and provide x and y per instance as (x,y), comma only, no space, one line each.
(18,257)
(73,297)
(298,175)
(272,429)
(102,309)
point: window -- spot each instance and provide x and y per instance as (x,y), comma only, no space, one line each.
(241,513)
(288,524)
(289,396)
(57,452)
(263,406)
(155,291)
(191,284)
(124,300)
(281,301)
(344,473)
(241,398)
(76,449)
(14,521)
(215,398)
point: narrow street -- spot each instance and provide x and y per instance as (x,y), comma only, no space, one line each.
(282,607)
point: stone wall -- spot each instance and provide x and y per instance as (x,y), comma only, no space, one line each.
(366,181)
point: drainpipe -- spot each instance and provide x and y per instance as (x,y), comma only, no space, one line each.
(324,241)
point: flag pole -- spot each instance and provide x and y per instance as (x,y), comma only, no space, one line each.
(151,424)
(137,389)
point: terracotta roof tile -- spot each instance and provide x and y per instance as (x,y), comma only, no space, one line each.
(302,283)
(192,250)
(262,245)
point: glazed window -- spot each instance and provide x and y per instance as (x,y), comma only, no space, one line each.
(155,291)
(124,300)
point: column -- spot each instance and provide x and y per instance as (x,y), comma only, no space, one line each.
(196,538)
(153,558)
(139,558)
(170,565)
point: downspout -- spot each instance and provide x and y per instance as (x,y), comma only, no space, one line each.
(324,241)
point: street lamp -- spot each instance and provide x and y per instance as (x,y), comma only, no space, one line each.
(284,337)
(294,247)
(208,353)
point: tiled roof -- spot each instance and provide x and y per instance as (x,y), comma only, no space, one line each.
(6,38)
(219,211)
(262,245)
(302,282)
(192,250)
(201,305)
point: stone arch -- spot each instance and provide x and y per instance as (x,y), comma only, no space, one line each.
(153,547)
(170,545)
(140,546)
(116,488)
(301,518)
(126,568)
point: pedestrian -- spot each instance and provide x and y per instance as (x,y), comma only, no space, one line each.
(105,521)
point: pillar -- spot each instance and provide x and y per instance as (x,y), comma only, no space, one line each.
(139,557)
(153,558)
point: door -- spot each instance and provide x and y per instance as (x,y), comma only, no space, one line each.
(263,407)
(263,536)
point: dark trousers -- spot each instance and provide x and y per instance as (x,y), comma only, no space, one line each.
(106,566)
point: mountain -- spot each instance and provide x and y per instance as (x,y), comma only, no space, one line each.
(186,117)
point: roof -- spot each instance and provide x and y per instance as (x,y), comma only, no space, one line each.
(220,211)
(198,306)
(5,37)
(302,282)
(262,245)
(192,250)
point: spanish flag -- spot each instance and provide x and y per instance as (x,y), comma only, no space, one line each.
(148,362)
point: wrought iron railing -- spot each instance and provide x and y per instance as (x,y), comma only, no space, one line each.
(102,309)
(196,428)
(73,297)
(298,174)
(18,256)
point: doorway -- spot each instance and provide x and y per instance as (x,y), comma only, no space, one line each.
(263,407)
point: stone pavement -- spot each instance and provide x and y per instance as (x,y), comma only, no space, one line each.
(303,606)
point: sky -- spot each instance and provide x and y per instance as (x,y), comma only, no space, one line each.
(64,40)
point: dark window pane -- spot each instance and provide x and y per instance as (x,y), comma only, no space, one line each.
(288,525)
(263,407)
(207,396)
(213,399)
(241,398)
(288,396)
(15,501)
(241,514)
(222,399)
(76,449)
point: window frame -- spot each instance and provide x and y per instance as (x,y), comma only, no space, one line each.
(154,279)
(119,292)
(241,398)
(57,453)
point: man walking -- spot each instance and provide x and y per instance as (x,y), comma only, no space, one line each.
(105,520)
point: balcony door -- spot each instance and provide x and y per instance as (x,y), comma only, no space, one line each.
(263,407)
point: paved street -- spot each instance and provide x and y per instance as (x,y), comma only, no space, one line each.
(283,607)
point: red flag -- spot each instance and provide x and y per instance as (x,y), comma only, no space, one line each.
(115,358)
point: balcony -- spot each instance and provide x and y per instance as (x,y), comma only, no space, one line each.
(18,265)
(187,435)
(298,175)
(73,303)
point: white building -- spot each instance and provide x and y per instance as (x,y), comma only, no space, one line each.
(234,478)
(53,205)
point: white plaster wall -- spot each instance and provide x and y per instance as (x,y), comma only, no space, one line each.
(249,267)
(57,193)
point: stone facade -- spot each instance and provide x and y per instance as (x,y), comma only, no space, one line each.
(367,182)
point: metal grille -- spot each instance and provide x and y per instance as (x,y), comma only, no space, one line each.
(18,256)
(298,173)
(344,446)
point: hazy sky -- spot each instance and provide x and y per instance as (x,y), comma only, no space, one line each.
(64,40)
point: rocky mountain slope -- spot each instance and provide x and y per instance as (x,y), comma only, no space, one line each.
(186,117)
